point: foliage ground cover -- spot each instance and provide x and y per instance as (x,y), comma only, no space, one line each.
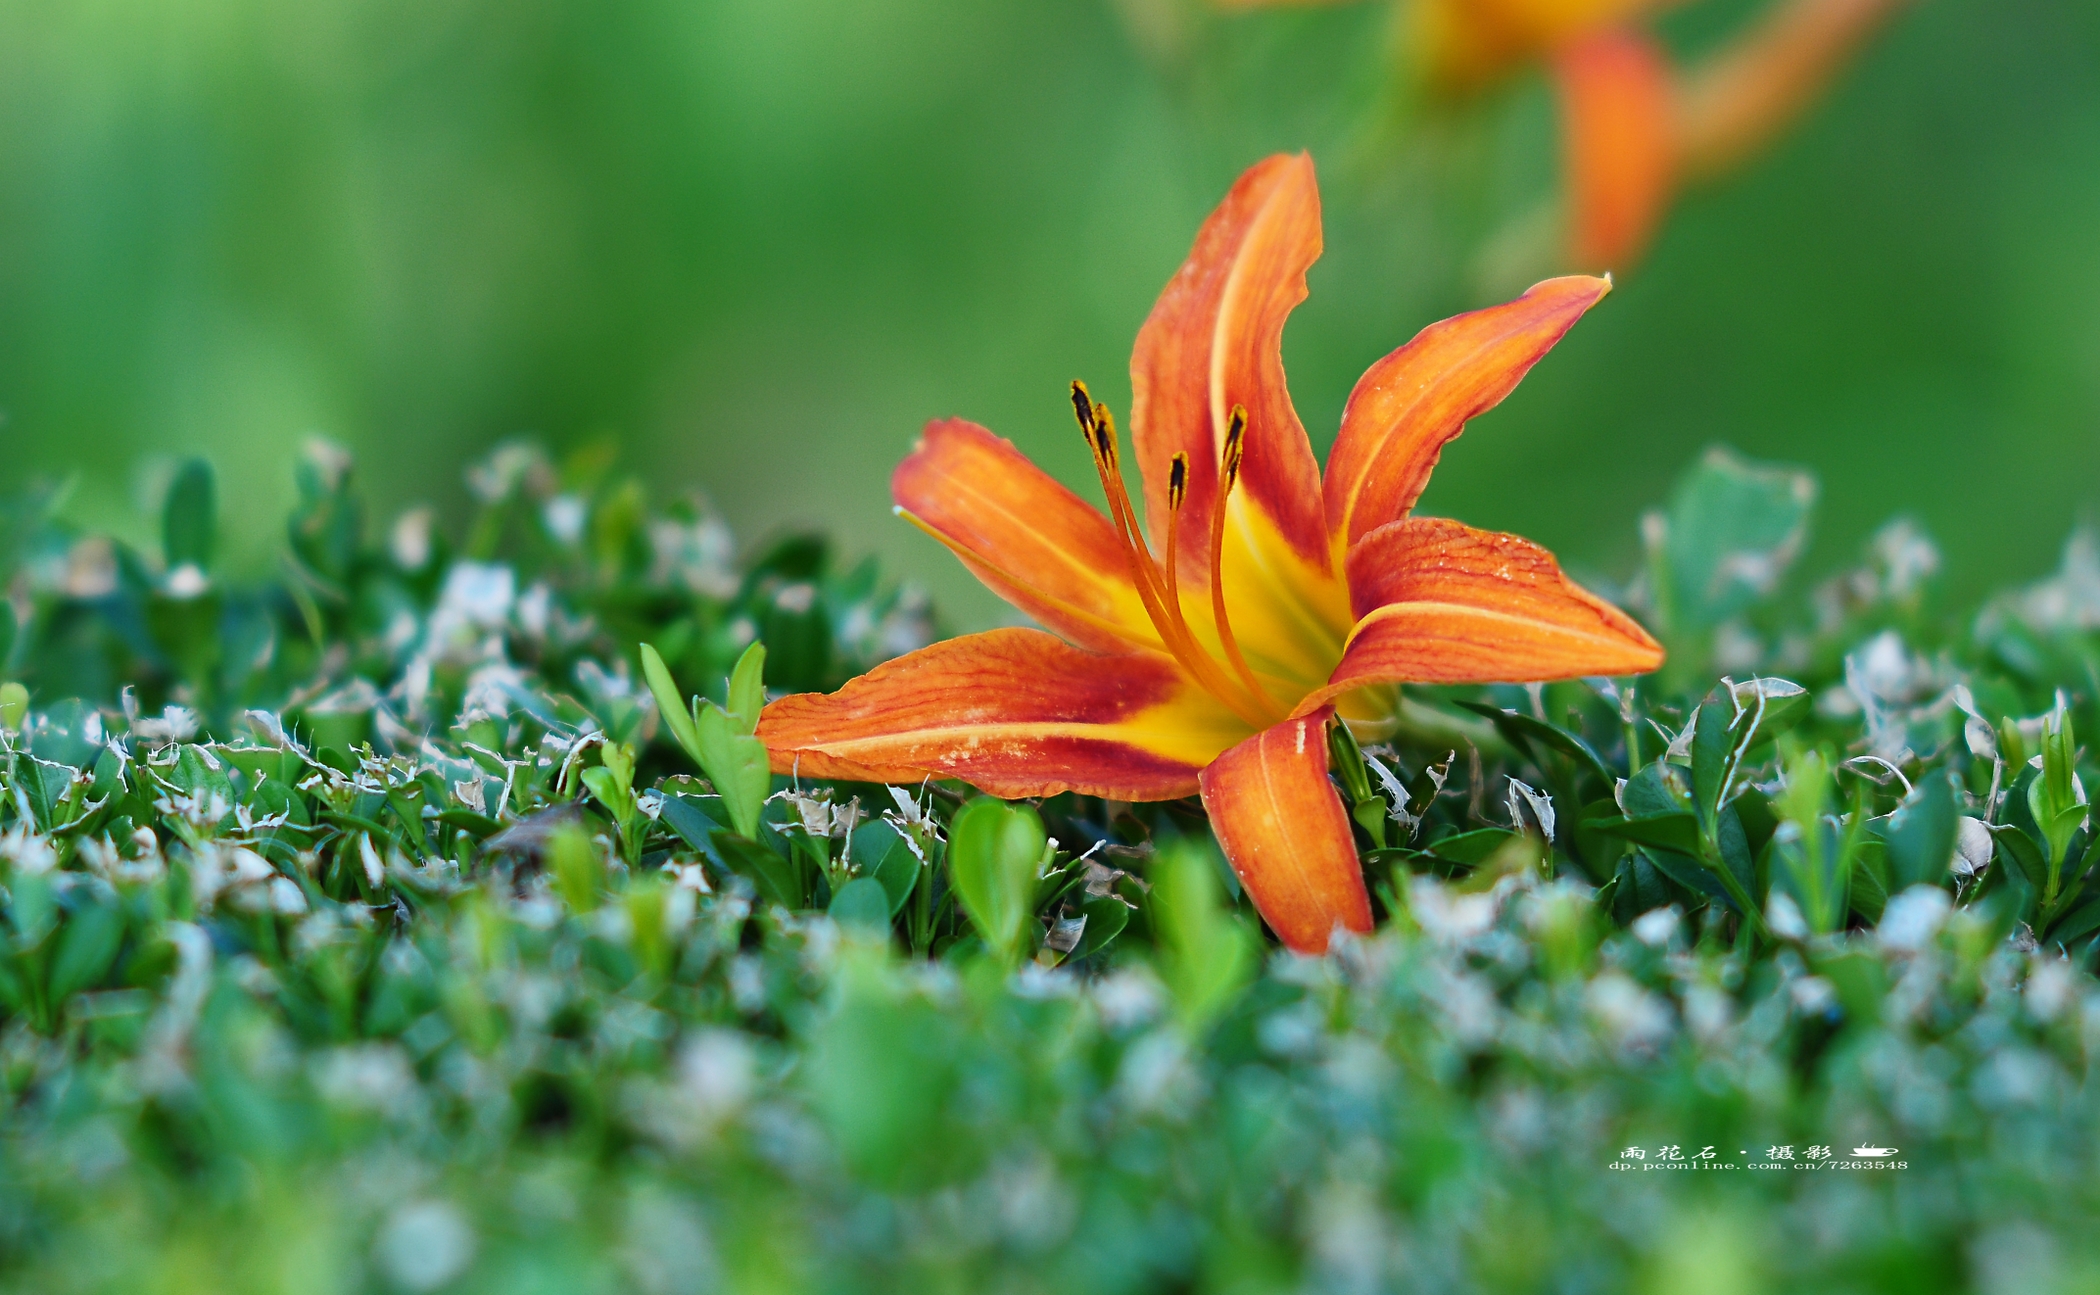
(400,923)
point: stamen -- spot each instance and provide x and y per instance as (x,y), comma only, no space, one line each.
(1228,476)
(1154,591)
(1091,417)
(1177,490)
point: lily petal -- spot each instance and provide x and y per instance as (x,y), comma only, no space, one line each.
(1215,340)
(1763,79)
(1013,712)
(1285,834)
(1617,123)
(1442,602)
(1466,44)
(1412,403)
(1032,541)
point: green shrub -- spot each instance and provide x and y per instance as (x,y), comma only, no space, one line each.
(368,928)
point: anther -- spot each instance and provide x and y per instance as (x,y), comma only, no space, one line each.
(1235,444)
(1105,443)
(1177,490)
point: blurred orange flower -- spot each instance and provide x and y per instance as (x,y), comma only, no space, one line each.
(1635,128)
(1268,599)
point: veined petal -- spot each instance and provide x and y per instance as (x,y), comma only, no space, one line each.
(1285,834)
(1442,602)
(1032,541)
(1412,403)
(1215,340)
(1014,712)
(1617,124)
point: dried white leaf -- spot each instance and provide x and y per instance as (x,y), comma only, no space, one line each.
(1972,846)
(1540,804)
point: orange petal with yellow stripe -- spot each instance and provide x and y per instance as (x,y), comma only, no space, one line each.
(1032,541)
(1412,403)
(1285,834)
(1013,712)
(1441,602)
(1618,111)
(1215,340)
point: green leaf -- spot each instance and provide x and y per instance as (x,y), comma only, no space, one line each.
(1713,745)
(883,1072)
(1735,852)
(736,764)
(1677,831)
(1517,727)
(1811,860)
(14,995)
(2080,921)
(1470,848)
(1206,955)
(1641,886)
(670,704)
(882,852)
(1861,983)
(33,907)
(605,788)
(797,629)
(2056,800)
(1106,916)
(1759,819)
(1656,788)
(747,687)
(87,946)
(480,826)
(1810,865)
(994,853)
(1871,882)
(693,826)
(1599,852)
(42,783)
(646,901)
(2025,853)
(863,904)
(1920,834)
(14,705)
(189,517)
(1731,530)
(774,876)
(1689,873)
(579,874)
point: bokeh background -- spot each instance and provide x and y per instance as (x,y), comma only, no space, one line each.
(756,243)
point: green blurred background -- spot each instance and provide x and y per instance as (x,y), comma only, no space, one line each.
(758,242)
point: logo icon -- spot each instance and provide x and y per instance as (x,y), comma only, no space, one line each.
(1876,1153)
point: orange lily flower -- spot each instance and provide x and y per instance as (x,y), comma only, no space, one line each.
(1634,128)
(1267,600)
